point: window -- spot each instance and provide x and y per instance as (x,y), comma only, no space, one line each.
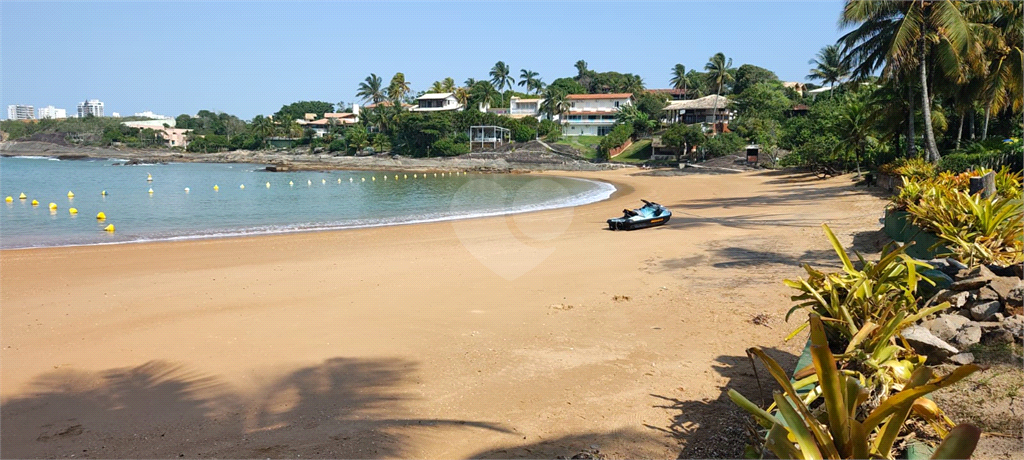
(616,104)
(573,105)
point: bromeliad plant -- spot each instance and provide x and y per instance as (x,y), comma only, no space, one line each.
(839,427)
(864,310)
(978,230)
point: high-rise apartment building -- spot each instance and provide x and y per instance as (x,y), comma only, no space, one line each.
(90,107)
(21,112)
(52,112)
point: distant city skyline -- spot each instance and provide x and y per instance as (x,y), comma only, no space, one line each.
(251,58)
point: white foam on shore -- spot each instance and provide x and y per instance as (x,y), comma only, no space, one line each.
(601,191)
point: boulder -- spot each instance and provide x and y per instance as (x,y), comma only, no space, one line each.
(927,344)
(956,299)
(997,337)
(1002,285)
(1014,296)
(1014,325)
(945,327)
(986,294)
(974,278)
(983,311)
(962,358)
(969,335)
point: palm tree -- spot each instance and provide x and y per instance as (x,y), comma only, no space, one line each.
(556,102)
(371,90)
(679,79)
(485,92)
(581,69)
(718,72)
(527,78)
(501,76)
(437,87)
(263,127)
(830,67)
(398,88)
(1004,87)
(854,128)
(898,34)
(634,84)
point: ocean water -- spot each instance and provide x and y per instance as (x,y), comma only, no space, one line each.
(313,200)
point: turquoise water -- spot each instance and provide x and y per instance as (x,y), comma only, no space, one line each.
(314,201)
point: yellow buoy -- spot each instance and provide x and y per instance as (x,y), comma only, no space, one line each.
(290,183)
(435,174)
(186,190)
(70,195)
(309,182)
(149,177)
(35,203)
(373,178)
(363,179)
(73,211)
(215,188)
(350,179)
(9,199)
(109,228)
(323,181)
(396,176)
(413,176)
(53,206)
(268,184)
(385,177)
(339,180)
(405,176)
(101,216)
(22,196)
(242,186)
(104,193)
(150,191)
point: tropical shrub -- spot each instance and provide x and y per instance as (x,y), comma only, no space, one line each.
(448,147)
(723,144)
(619,135)
(866,308)
(841,426)
(978,230)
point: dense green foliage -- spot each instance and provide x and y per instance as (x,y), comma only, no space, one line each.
(619,135)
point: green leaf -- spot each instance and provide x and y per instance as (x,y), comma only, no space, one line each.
(959,443)
(799,428)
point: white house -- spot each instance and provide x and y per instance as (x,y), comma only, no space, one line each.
(437,102)
(521,108)
(593,114)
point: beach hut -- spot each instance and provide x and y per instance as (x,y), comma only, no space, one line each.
(753,150)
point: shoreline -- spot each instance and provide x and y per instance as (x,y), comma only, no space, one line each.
(484,162)
(529,335)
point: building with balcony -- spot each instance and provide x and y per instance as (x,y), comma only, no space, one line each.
(175,137)
(708,109)
(52,112)
(593,114)
(91,107)
(21,112)
(437,102)
(521,108)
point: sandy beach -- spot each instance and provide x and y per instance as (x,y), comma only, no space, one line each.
(534,335)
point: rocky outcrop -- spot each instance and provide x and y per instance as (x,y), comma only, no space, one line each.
(984,308)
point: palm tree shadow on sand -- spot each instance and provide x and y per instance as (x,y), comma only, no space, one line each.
(339,408)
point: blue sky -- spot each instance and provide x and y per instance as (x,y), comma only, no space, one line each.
(249,58)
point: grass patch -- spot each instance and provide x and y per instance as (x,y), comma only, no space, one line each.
(639,152)
(586,145)
(1009,353)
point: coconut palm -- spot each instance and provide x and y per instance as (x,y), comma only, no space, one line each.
(527,78)
(830,68)
(501,76)
(679,79)
(263,127)
(484,91)
(854,128)
(371,90)
(581,69)
(718,72)
(556,102)
(1003,86)
(398,88)
(898,36)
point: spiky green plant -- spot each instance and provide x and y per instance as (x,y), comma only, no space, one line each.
(838,428)
(978,230)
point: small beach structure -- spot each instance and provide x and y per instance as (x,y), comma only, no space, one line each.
(481,136)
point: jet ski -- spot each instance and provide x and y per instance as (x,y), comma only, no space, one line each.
(649,215)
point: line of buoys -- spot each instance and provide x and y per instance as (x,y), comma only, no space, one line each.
(109,228)
(70,195)
(22,196)
(101,216)
(35,202)
(9,199)
(73,211)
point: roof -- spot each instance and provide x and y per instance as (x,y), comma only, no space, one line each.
(706,102)
(676,91)
(600,96)
(338,115)
(435,96)
(592,112)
